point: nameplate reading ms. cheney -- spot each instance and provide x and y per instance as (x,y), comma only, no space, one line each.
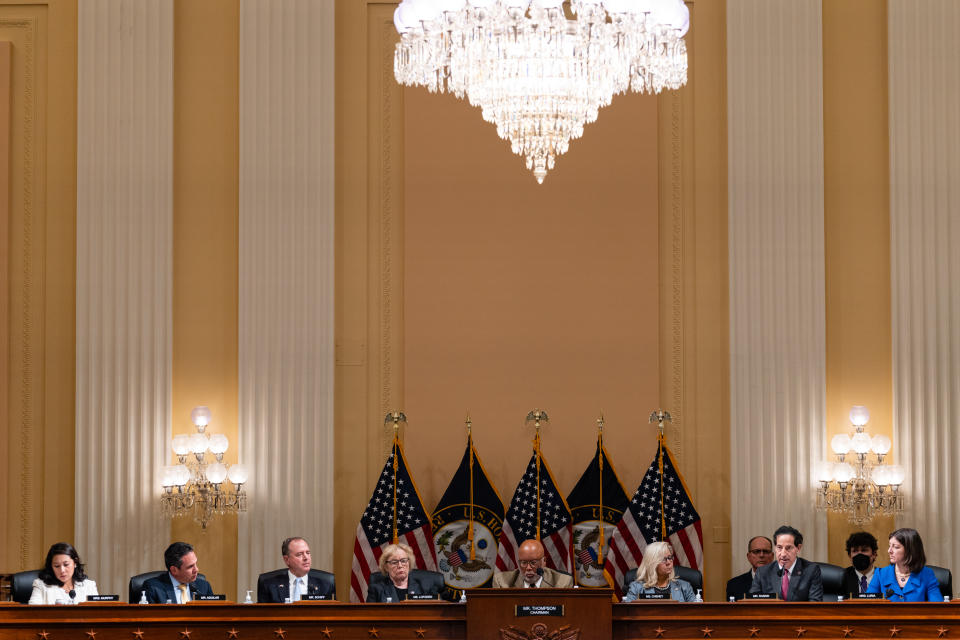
(524,610)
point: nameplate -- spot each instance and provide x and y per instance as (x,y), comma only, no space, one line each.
(421,596)
(216,596)
(653,596)
(103,597)
(761,596)
(313,596)
(869,596)
(524,610)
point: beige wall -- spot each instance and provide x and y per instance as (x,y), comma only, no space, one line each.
(519,295)
(857,230)
(37,425)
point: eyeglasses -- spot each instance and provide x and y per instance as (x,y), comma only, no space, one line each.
(667,559)
(760,552)
(530,563)
(401,562)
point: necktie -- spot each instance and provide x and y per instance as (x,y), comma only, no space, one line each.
(863,584)
(183,593)
(785,583)
(296,589)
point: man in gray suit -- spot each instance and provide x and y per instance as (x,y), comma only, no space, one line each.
(790,577)
(533,573)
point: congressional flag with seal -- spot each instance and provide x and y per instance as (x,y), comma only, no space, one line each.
(597,503)
(520,523)
(466,524)
(661,509)
(395,502)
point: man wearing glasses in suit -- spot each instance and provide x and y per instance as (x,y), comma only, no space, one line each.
(759,553)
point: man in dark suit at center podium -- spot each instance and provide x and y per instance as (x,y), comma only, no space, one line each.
(532,573)
(789,576)
(298,579)
(182,582)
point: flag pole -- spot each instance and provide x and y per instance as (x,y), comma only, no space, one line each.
(473,549)
(395,417)
(660,416)
(600,462)
(537,416)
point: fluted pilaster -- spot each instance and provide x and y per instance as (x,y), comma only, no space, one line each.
(776,255)
(925,234)
(286,279)
(124,248)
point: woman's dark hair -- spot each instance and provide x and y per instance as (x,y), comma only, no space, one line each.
(913,555)
(62,549)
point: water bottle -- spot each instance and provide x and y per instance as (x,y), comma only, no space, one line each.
(839,598)
(287,601)
(698,597)
(732,599)
(389,599)
(143,598)
(946,598)
(463,597)
(249,599)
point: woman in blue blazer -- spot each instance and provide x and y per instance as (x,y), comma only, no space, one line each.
(656,575)
(906,578)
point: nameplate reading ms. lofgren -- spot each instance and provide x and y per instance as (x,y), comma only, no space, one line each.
(524,610)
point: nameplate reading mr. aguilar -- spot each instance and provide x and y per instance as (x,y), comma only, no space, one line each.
(216,596)
(524,610)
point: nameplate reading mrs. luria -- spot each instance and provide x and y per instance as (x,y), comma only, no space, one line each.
(524,610)
(869,596)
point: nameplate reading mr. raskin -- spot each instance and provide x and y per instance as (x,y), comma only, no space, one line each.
(524,610)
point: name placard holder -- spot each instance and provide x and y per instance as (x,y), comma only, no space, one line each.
(103,597)
(526,610)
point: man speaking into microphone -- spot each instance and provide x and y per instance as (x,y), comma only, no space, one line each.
(532,574)
(792,578)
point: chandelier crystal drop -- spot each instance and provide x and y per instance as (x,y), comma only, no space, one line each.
(540,70)
(864,487)
(197,484)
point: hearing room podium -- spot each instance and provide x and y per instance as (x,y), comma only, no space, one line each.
(539,614)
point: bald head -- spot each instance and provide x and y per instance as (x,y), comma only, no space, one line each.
(530,557)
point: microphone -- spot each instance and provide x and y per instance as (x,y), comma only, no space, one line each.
(73,595)
(888,593)
(540,571)
(780,572)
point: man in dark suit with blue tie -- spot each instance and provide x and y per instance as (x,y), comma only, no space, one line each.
(182,582)
(298,580)
(789,576)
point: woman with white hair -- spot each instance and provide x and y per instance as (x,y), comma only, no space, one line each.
(656,575)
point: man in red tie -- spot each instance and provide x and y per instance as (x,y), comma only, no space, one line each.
(790,577)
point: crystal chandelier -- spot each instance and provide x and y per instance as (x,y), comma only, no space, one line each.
(867,488)
(537,69)
(195,486)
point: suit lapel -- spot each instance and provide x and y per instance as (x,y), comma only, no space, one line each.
(280,588)
(795,578)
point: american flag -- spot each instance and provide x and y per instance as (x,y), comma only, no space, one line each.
(375,530)
(645,522)
(520,523)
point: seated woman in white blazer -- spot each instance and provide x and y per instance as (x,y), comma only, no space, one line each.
(61,574)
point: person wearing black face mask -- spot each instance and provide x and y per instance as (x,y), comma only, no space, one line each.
(862,549)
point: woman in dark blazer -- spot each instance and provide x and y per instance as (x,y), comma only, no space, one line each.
(397,564)
(907,578)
